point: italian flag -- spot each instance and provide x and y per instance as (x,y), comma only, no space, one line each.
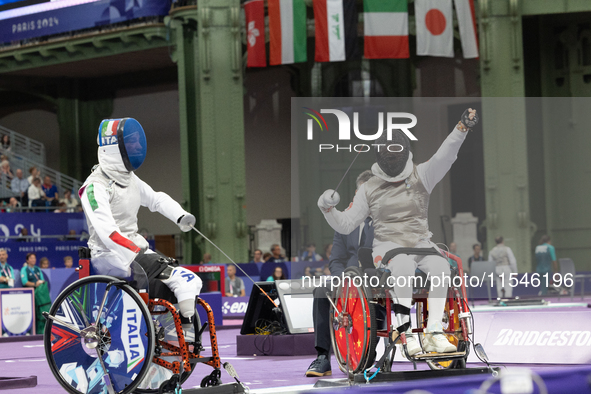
(386,29)
(287,30)
(109,128)
(336,30)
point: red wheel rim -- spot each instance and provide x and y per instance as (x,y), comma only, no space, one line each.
(358,309)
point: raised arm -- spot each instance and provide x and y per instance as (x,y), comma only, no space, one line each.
(347,221)
(159,202)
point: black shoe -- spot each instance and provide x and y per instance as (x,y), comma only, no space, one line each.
(319,367)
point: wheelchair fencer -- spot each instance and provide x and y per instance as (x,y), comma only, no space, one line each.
(121,335)
(362,314)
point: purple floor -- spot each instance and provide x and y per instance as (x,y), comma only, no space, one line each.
(19,359)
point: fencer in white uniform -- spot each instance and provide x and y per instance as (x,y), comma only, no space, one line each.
(397,199)
(111,197)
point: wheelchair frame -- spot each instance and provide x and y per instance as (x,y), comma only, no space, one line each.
(458,327)
(181,370)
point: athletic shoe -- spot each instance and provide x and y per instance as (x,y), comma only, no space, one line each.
(319,367)
(438,343)
(412,345)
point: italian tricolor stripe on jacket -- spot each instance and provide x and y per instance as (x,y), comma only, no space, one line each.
(336,30)
(287,30)
(386,29)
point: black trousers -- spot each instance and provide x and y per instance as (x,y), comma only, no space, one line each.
(321,316)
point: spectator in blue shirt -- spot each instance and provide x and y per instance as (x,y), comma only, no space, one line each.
(51,194)
(310,254)
(546,259)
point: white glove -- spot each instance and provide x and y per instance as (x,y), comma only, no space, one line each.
(185,222)
(328,199)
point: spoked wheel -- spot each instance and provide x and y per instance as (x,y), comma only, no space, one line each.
(94,351)
(165,330)
(353,325)
(448,319)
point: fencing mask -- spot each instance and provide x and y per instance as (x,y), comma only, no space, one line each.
(392,155)
(129,136)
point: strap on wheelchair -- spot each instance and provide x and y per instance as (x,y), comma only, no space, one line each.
(154,264)
(416,251)
(402,310)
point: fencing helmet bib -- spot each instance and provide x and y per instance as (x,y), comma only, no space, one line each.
(129,136)
(392,155)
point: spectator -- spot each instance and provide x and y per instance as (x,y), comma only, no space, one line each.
(326,270)
(266,257)
(310,254)
(68,262)
(6,171)
(34,173)
(506,265)
(477,256)
(13,205)
(327,251)
(453,249)
(546,262)
(258,256)
(5,143)
(276,256)
(61,208)
(36,194)
(307,273)
(19,187)
(277,275)
(23,236)
(206,259)
(31,276)
(72,236)
(234,284)
(6,271)
(44,263)
(51,194)
(70,201)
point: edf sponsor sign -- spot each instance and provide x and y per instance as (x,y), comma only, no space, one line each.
(234,306)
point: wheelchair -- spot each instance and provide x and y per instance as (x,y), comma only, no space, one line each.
(360,315)
(106,335)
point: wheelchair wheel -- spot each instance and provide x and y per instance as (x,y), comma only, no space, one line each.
(461,345)
(88,353)
(360,332)
(165,330)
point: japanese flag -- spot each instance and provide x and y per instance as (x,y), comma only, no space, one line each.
(434,28)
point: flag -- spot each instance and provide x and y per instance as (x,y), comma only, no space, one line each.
(467,25)
(386,29)
(336,30)
(287,30)
(255,33)
(434,28)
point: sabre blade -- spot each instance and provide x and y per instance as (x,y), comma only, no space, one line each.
(232,261)
(346,172)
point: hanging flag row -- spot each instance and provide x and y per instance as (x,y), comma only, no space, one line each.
(385,30)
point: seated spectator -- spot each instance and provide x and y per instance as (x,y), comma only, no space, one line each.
(258,256)
(5,143)
(453,249)
(12,206)
(71,202)
(310,254)
(234,284)
(327,251)
(51,194)
(61,208)
(277,275)
(68,262)
(44,263)
(19,187)
(276,256)
(326,270)
(5,171)
(34,173)
(266,257)
(36,194)
(307,273)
